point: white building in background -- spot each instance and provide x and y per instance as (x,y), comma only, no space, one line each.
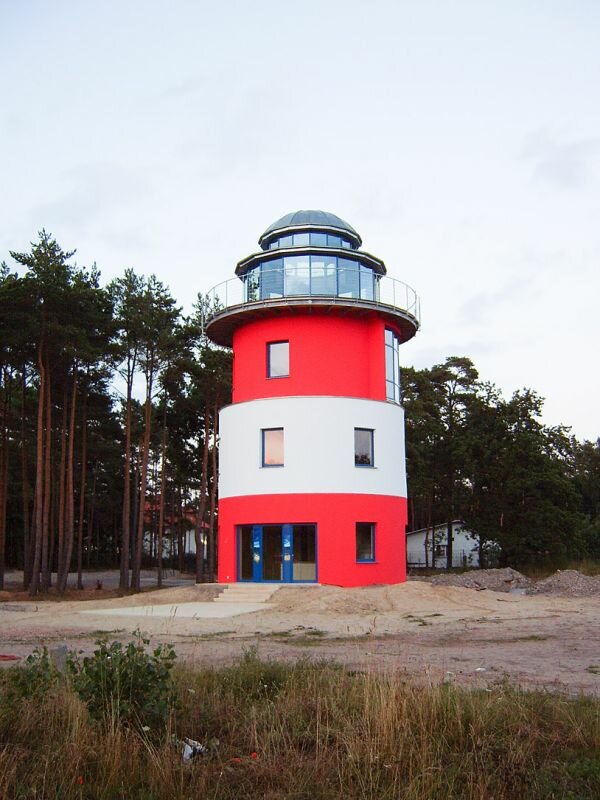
(428,547)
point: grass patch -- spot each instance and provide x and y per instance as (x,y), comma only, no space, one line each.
(305,730)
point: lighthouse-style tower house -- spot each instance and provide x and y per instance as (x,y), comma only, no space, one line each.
(312,482)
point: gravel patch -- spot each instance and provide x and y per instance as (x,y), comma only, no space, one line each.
(497,580)
(568,583)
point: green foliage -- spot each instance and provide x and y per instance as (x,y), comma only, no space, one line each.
(127,684)
(473,455)
(31,679)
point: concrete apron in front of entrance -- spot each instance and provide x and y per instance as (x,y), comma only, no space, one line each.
(210,610)
(237,598)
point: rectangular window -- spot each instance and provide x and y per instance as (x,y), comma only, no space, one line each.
(392,366)
(323,275)
(347,278)
(272,447)
(297,275)
(365,541)
(367,277)
(278,359)
(271,279)
(363,447)
(318,239)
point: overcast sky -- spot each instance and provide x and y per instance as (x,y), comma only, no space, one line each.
(461,139)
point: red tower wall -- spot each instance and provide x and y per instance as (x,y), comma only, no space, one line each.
(329,355)
(335,516)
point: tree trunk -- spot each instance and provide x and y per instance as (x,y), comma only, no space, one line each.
(25,489)
(82,480)
(91,516)
(39,477)
(61,485)
(135,577)
(180,538)
(212,553)
(70,495)
(124,577)
(4,474)
(163,486)
(202,499)
(45,578)
(52,522)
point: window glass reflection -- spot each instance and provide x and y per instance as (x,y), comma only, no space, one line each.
(301,239)
(392,366)
(365,541)
(312,239)
(272,447)
(347,278)
(363,447)
(278,359)
(272,279)
(366,283)
(323,275)
(297,275)
(252,284)
(318,274)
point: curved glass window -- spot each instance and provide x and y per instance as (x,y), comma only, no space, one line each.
(392,366)
(312,239)
(318,274)
(271,279)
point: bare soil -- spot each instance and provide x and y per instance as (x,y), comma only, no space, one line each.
(431,630)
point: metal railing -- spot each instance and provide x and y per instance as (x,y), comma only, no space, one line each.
(233,293)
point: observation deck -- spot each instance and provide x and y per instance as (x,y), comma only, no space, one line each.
(230,305)
(310,262)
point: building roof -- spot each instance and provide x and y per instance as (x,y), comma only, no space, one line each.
(310,219)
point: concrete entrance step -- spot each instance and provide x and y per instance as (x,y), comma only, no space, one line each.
(247,592)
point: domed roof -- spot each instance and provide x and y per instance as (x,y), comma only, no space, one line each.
(310,219)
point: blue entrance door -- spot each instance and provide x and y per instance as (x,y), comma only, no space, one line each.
(278,553)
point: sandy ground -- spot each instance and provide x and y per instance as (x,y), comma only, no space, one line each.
(432,632)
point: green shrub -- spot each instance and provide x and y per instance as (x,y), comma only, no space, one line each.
(31,679)
(126,684)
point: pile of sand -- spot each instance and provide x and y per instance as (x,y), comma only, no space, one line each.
(497,580)
(401,598)
(568,583)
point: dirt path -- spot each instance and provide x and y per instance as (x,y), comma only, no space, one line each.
(434,632)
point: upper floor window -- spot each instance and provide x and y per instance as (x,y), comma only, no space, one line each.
(272,447)
(363,447)
(392,366)
(278,359)
(316,274)
(312,239)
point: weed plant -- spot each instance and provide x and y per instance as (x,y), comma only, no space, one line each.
(307,730)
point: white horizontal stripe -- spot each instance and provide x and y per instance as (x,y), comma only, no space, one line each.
(318,447)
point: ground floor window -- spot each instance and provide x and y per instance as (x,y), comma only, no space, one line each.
(365,541)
